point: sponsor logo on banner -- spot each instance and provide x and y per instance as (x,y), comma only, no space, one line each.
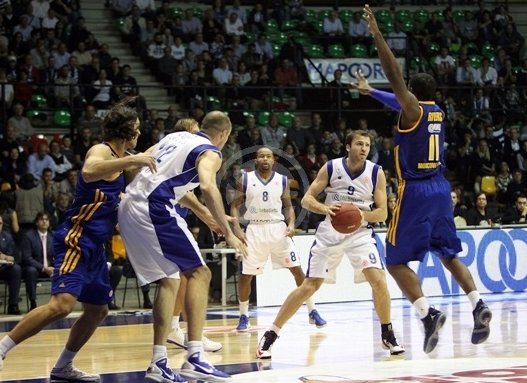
(371,68)
(496,259)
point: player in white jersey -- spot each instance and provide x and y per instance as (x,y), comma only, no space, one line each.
(160,244)
(271,225)
(349,179)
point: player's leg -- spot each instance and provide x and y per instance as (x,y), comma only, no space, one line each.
(176,335)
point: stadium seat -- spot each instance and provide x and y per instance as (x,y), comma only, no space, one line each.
(311,16)
(373,51)
(263,118)
(62,119)
(488,185)
(39,101)
(276,49)
(36,140)
(472,48)
(454,47)
(119,23)
(386,27)
(359,51)
(433,49)
(213,103)
(176,12)
(198,12)
(407,25)
(336,51)
(345,16)
(439,15)
(421,16)
(488,50)
(402,15)
(323,14)
(383,16)
(286,119)
(314,51)
(272,26)
(458,15)
(38,118)
(476,61)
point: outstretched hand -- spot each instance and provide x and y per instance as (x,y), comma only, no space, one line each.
(369,16)
(361,84)
(140,160)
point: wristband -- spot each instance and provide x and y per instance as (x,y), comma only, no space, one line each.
(386,98)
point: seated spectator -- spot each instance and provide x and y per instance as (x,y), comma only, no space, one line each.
(177,50)
(234,26)
(82,145)
(197,45)
(10,270)
(340,95)
(67,93)
(508,73)
(83,56)
(516,214)
(263,48)
(69,184)
(23,90)
(89,119)
(33,72)
(67,148)
(37,255)
(20,123)
(459,220)
(75,70)
(512,41)
(468,28)
(235,95)
(486,75)
(50,189)
(191,25)
(9,141)
(466,75)
(62,164)
(222,75)
(273,134)
(217,46)
(133,26)
(155,50)
(29,201)
(13,167)
(480,214)
(121,8)
(396,40)
(358,30)
(37,162)
(257,20)
(103,87)
(61,55)
(7,93)
(24,28)
(50,20)
(62,204)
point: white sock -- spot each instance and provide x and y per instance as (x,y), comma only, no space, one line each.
(422,306)
(310,304)
(193,347)
(244,308)
(66,356)
(275,328)
(175,322)
(6,344)
(474,298)
(159,352)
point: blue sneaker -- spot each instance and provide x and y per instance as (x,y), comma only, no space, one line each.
(160,372)
(243,324)
(482,316)
(316,319)
(433,323)
(194,368)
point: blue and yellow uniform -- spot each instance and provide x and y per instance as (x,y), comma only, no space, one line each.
(80,257)
(423,219)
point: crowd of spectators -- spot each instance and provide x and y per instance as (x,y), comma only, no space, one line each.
(236,58)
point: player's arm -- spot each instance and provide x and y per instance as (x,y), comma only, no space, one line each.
(310,201)
(380,210)
(239,199)
(289,211)
(208,165)
(363,86)
(99,163)
(131,173)
(190,201)
(411,111)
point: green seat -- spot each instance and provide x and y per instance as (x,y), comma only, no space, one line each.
(439,15)
(198,12)
(248,114)
(280,39)
(286,119)
(417,62)
(119,23)
(176,13)
(359,51)
(421,16)
(373,50)
(488,50)
(346,15)
(434,48)
(383,16)
(39,101)
(458,15)
(386,27)
(454,47)
(38,118)
(315,51)
(272,26)
(472,48)
(476,61)
(276,49)
(291,25)
(407,25)
(402,15)
(323,14)
(263,118)
(213,103)
(62,119)
(336,51)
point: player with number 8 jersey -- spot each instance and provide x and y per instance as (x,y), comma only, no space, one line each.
(266,193)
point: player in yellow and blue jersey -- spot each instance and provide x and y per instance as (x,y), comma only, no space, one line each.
(80,268)
(423,220)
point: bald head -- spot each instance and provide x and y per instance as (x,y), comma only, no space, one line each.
(217,126)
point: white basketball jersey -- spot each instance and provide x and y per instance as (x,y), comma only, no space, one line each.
(175,156)
(346,187)
(263,199)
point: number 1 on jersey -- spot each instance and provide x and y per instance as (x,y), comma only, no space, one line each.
(433,148)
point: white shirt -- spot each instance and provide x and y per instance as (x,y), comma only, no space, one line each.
(332,27)
(263,199)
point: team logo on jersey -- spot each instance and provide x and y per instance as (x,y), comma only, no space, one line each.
(434,128)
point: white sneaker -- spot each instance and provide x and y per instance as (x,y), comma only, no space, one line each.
(177,337)
(69,373)
(210,345)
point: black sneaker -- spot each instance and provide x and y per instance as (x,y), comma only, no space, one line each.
(482,316)
(264,346)
(389,342)
(433,323)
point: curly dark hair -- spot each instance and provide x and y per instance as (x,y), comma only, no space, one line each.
(120,120)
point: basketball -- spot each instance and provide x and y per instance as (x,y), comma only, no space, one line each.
(347,219)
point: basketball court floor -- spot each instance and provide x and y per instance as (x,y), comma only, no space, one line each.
(347,350)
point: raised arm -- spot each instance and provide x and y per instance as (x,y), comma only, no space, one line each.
(411,111)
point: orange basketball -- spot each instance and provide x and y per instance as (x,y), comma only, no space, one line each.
(347,219)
